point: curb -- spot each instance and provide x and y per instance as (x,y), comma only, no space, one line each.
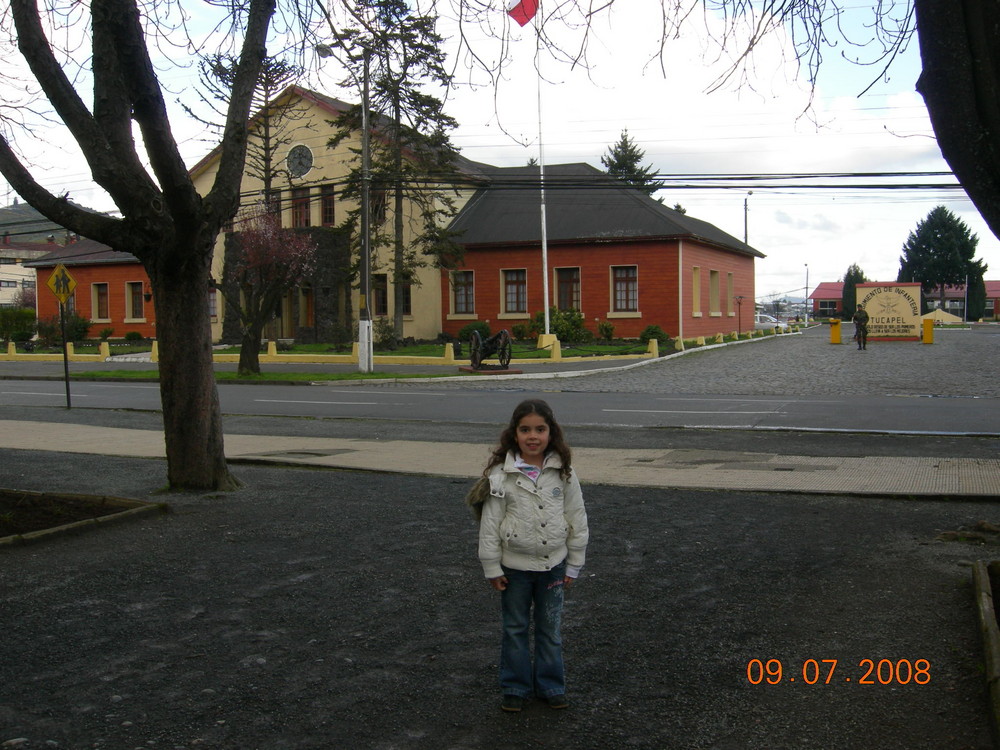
(132,508)
(983,574)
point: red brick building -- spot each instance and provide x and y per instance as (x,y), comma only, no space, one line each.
(827,300)
(613,253)
(112,289)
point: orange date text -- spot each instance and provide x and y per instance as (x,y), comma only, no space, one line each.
(829,671)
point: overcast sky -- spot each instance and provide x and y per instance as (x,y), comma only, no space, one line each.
(686,130)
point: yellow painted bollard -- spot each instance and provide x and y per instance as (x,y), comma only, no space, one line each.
(835,332)
(105,350)
(550,342)
(154,354)
(928,337)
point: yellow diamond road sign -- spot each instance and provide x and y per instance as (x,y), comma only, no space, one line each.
(61,283)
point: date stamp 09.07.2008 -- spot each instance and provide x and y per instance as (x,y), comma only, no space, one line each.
(830,671)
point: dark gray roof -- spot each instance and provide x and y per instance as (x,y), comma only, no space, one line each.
(582,204)
(83,252)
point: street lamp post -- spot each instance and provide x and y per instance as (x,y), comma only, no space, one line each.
(746,210)
(807,292)
(365,354)
(739,314)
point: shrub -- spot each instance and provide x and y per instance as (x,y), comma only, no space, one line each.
(653,332)
(133,337)
(606,330)
(77,329)
(383,333)
(106,333)
(567,325)
(16,322)
(521,331)
(480,325)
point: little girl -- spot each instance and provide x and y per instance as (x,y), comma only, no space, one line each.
(532,543)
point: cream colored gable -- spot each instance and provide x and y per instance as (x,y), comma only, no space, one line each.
(308,128)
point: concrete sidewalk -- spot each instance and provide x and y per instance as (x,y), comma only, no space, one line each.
(635,467)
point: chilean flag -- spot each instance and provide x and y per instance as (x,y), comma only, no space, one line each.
(522,11)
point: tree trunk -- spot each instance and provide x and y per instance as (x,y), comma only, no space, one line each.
(960,83)
(192,417)
(250,351)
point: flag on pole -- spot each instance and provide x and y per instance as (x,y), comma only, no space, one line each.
(522,11)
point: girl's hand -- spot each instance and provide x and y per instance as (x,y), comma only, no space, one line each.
(499,583)
(567,582)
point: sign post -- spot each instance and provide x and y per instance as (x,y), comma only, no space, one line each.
(62,285)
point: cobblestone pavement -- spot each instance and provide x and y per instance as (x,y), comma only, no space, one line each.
(958,363)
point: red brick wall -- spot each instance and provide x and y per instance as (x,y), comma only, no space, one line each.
(657,285)
(116,276)
(727,316)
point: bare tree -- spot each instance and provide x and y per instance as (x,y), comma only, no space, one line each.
(165,222)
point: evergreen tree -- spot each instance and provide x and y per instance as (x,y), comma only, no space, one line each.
(849,298)
(623,161)
(414,161)
(939,253)
(976,302)
(265,140)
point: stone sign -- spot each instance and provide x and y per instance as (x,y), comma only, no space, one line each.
(893,310)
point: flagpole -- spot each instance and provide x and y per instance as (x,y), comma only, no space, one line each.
(541,174)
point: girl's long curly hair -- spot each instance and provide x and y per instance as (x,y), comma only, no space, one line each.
(508,438)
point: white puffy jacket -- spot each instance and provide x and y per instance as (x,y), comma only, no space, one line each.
(532,526)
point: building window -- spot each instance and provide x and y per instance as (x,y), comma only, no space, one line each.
(377,207)
(696,291)
(714,303)
(827,307)
(328,197)
(8,284)
(462,290)
(380,294)
(515,291)
(626,288)
(300,207)
(407,302)
(730,294)
(100,302)
(568,288)
(133,300)
(213,304)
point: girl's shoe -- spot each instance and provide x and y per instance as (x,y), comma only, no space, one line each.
(512,703)
(557,701)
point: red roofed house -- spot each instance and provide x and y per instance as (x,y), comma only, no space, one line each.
(614,254)
(828,299)
(112,288)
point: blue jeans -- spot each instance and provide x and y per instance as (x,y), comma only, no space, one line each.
(544,590)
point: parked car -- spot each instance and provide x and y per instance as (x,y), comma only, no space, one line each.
(764,322)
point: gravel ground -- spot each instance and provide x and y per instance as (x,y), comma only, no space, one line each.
(321,609)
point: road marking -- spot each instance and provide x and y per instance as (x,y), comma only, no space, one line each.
(331,403)
(680,411)
(36,393)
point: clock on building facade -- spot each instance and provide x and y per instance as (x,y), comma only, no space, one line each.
(300,160)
